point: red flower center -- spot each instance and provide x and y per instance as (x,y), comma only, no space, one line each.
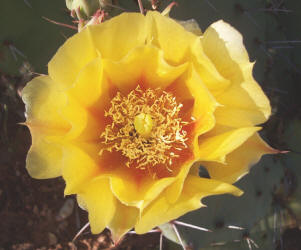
(146,128)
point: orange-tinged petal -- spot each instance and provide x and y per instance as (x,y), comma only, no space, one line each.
(68,61)
(144,63)
(190,87)
(224,46)
(97,198)
(79,165)
(195,188)
(114,38)
(240,160)
(124,220)
(170,36)
(133,193)
(204,102)
(125,188)
(43,101)
(215,148)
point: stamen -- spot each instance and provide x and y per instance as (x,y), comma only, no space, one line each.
(146,128)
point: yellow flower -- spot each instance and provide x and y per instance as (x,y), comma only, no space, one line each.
(131,104)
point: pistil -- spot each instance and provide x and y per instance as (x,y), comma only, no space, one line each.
(143,124)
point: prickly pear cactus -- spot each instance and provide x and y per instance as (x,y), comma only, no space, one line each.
(271,206)
(231,218)
(291,191)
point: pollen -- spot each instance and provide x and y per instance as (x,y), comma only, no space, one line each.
(145,127)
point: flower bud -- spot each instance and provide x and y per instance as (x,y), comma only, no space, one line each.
(87,7)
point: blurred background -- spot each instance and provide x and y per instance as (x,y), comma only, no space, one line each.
(35,215)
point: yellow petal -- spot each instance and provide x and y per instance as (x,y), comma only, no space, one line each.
(170,36)
(79,165)
(143,65)
(97,197)
(207,71)
(224,46)
(204,102)
(43,101)
(133,193)
(89,87)
(114,38)
(81,203)
(195,188)
(124,219)
(215,148)
(236,117)
(85,126)
(75,53)
(240,160)
(189,87)
(243,105)
(44,159)
(155,190)
(174,191)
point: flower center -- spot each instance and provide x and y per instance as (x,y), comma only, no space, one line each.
(145,127)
